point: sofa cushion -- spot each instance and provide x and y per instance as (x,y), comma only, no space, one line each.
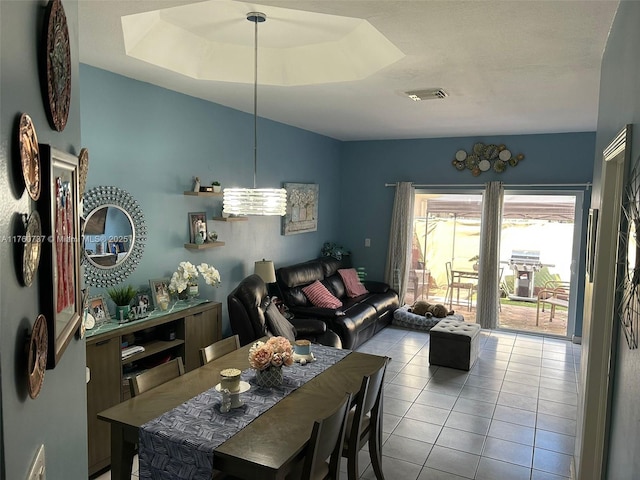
(335,285)
(278,325)
(318,294)
(352,282)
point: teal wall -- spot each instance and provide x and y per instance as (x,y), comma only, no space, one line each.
(151,142)
(620,105)
(57,417)
(549,159)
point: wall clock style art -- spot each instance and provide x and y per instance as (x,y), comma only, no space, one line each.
(29,156)
(57,64)
(483,158)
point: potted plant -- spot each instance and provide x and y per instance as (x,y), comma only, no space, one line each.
(330,249)
(216,186)
(122,297)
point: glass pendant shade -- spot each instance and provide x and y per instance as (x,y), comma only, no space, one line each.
(255,201)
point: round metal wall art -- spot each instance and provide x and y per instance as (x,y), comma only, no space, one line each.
(37,355)
(108,195)
(32,248)
(483,158)
(58,65)
(29,156)
(83,170)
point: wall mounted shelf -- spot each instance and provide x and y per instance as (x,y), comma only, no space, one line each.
(203,194)
(195,246)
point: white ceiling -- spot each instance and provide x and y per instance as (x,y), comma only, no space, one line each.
(509,67)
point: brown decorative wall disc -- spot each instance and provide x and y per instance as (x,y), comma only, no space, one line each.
(58,65)
(29,156)
(32,249)
(37,361)
(83,167)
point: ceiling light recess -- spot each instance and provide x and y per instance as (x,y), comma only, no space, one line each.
(427,94)
(255,201)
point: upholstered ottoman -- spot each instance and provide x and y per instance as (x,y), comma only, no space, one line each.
(454,344)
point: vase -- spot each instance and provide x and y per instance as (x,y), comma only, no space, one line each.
(193,291)
(269,377)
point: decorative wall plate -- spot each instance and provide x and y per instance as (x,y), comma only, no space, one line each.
(504,155)
(29,156)
(37,355)
(482,158)
(58,65)
(32,249)
(83,170)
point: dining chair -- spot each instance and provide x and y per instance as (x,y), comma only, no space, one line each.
(326,443)
(219,348)
(364,425)
(156,376)
(457,284)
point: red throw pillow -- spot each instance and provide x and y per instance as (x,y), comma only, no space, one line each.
(318,294)
(352,282)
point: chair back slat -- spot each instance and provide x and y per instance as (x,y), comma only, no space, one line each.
(156,376)
(219,348)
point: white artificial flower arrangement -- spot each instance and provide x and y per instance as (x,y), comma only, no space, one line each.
(187,274)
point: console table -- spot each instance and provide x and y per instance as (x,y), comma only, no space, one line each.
(180,331)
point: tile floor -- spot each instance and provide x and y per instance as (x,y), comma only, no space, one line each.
(513,416)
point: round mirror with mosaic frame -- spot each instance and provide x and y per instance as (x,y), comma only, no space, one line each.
(114,235)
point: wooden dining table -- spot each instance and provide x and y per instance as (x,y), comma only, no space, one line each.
(269,446)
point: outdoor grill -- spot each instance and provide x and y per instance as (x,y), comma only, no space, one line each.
(524,263)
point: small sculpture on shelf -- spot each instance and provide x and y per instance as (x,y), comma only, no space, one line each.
(196,184)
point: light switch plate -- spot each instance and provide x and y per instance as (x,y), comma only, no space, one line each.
(367,242)
(38,471)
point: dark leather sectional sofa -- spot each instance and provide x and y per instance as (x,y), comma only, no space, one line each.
(358,319)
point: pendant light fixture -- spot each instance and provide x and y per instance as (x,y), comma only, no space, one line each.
(255,201)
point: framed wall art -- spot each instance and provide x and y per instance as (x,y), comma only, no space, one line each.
(302,208)
(60,292)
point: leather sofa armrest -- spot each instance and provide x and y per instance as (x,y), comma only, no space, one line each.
(308,326)
(376,287)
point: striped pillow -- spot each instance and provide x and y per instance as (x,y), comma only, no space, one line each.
(319,296)
(352,282)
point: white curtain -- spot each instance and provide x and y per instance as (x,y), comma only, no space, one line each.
(488,289)
(398,264)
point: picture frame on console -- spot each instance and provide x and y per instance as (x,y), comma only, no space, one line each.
(60,292)
(160,293)
(97,307)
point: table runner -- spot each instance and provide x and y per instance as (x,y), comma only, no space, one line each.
(179,444)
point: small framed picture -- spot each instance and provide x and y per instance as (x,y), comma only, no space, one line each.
(197,227)
(160,293)
(97,306)
(142,306)
(116,247)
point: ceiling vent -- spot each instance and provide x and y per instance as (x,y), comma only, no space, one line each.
(429,94)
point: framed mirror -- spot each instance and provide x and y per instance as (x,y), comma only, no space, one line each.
(114,235)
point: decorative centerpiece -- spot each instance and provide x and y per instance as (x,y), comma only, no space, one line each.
(268,358)
(184,281)
(230,379)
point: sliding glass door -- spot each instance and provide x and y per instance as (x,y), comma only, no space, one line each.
(537,242)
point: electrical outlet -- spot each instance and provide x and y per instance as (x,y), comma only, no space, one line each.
(38,471)
(367,242)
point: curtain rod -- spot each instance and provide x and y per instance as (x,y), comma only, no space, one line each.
(475,185)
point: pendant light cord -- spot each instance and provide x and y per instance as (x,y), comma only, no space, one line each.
(255,104)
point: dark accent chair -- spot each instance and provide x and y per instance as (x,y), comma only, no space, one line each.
(247,304)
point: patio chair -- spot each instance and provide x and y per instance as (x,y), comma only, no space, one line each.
(555,293)
(457,284)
